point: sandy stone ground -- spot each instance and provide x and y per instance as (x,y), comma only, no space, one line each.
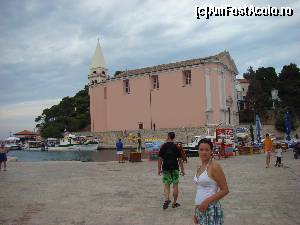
(110,193)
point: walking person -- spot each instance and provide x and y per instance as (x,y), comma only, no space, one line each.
(139,139)
(119,149)
(278,154)
(211,186)
(169,158)
(3,157)
(268,146)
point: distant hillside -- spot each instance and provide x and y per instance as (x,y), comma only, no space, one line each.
(71,114)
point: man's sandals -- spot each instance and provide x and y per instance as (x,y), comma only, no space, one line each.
(175,205)
(167,202)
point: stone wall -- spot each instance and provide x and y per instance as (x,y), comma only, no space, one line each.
(182,134)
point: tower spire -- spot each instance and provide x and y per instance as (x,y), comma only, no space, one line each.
(98,59)
(98,68)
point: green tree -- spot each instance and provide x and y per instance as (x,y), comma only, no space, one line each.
(249,74)
(280,116)
(72,113)
(262,81)
(118,72)
(289,88)
(51,131)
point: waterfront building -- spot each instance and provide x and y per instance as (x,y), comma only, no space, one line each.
(190,93)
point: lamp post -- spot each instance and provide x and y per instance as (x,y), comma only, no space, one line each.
(229,102)
(187,137)
(150,102)
(288,125)
(229,119)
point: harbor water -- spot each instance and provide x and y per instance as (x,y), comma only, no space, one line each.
(78,155)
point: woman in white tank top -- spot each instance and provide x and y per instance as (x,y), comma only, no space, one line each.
(211,186)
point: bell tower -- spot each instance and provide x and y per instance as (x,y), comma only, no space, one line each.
(98,68)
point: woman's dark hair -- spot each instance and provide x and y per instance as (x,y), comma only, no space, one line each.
(206,141)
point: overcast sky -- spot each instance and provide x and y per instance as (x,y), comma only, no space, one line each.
(46,46)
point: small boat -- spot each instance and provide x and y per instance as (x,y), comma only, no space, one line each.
(13,143)
(35,146)
(89,145)
(72,142)
(68,141)
(52,142)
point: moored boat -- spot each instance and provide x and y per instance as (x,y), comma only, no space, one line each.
(13,143)
(73,142)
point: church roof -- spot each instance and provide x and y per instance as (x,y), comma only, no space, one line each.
(216,58)
(98,59)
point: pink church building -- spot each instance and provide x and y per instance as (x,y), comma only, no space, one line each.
(191,93)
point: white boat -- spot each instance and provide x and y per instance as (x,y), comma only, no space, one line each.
(89,145)
(61,148)
(83,147)
(12,143)
(35,145)
(68,141)
(51,142)
(72,142)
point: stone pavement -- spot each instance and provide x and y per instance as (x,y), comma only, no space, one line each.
(110,193)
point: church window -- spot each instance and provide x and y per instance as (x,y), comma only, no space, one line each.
(126,86)
(140,125)
(187,77)
(155,82)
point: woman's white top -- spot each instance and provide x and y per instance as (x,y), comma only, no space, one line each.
(206,187)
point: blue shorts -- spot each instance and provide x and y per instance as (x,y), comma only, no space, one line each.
(3,157)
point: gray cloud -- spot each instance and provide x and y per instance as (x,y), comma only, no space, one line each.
(46,46)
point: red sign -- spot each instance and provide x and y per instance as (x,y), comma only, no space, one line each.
(226,133)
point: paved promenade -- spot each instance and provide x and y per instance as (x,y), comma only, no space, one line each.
(109,193)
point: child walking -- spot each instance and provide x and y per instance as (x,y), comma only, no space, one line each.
(278,154)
